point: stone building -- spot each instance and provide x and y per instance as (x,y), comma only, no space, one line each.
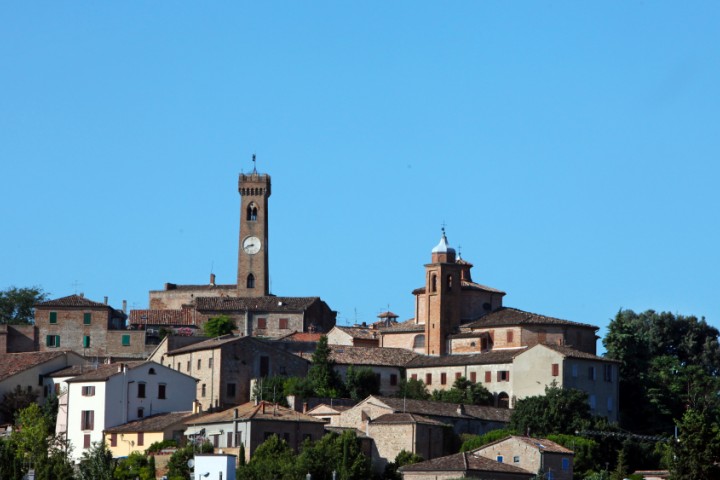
(362,336)
(91,328)
(249,301)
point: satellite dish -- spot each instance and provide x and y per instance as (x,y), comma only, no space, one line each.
(191,463)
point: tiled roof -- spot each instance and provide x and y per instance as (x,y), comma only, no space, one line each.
(14,363)
(264,304)
(154,423)
(394,357)
(506,316)
(161,317)
(72,371)
(208,344)
(302,337)
(541,444)
(465,462)
(572,353)
(492,357)
(465,285)
(104,371)
(403,327)
(444,409)
(207,286)
(388,314)
(405,418)
(359,332)
(71,301)
(249,411)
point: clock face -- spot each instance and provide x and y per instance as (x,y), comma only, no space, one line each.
(251,245)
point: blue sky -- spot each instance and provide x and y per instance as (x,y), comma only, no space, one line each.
(571,148)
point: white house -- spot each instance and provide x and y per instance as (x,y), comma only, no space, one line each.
(117,393)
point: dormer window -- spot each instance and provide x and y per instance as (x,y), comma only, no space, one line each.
(251,281)
(252,212)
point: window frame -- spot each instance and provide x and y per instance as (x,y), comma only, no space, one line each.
(87,318)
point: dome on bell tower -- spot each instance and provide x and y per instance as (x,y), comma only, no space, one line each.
(443,253)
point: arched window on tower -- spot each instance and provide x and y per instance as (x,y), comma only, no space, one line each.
(251,212)
(433,283)
(449,282)
(419,341)
(251,281)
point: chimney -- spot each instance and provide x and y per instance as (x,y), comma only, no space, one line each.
(196,406)
(121,367)
(461,409)
(81,295)
(124,306)
(105,299)
(305,407)
(212,279)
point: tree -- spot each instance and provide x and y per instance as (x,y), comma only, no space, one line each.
(587,456)
(273,459)
(696,454)
(218,326)
(558,411)
(322,375)
(271,389)
(15,401)
(361,382)
(464,391)
(97,463)
(414,389)
(135,466)
(11,464)
(401,459)
(16,304)
(477,441)
(333,452)
(31,435)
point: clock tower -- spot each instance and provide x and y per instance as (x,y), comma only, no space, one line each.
(253,279)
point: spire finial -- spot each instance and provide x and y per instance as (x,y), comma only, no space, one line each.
(253,160)
(442,227)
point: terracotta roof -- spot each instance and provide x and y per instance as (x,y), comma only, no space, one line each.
(388,314)
(403,327)
(573,353)
(154,423)
(336,408)
(444,409)
(394,357)
(104,371)
(302,337)
(249,411)
(264,304)
(465,462)
(71,371)
(405,418)
(14,363)
(207,286)
(506,316)
(71,301)
(161,317)
(466,285)
(541,444)
(492,357)
(359,332)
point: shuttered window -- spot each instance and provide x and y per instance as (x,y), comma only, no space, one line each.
(53,317)
(87,318)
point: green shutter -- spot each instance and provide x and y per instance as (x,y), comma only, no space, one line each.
(53,317)
(126,340)
(57,340)
(87,318)
(86,341)
(48,341)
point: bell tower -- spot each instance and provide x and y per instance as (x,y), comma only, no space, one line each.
(253,278)
(442,296)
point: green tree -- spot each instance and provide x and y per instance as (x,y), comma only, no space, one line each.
(401,459)
(136,465)
(300,387)
(413,389)
(587,456)
(31,435)
(177,464)
(16,304)
(333,452)
(11,464)
(464,391)
(218,326)
(271,389)
(322,375)
(558,411)
(97,463)
(696,454)
(361,382)
(476,441)
(16,400)
(273,459)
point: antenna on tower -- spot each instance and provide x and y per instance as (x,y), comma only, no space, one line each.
(253,160)
(75,286)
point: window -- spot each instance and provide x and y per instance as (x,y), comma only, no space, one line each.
(141,439)
(516,459)
(592,402)
(188,366)
(550,475)
(428,379)
(393,379)
(57,389)
(509,334)
(113,439)
(488,377)
(503,376)
(565,464)
(52,341)
(283,324)
(449,282)
(229,439)
(204,390)
(443,378)
(162,391)
(231,390)
(86,341)
(210,362)
(609,404)
(419,341)
(608,373)
(126,340)
(140,412)
(458,375)
(46,390)
(591,373)
(264,366)
(87,419)
(251,281)
(141,390)
(574,371)
(86,441)
(199,364)
(53,317)
(555,369)
(262,323)
(413,376)
(179,367)
(40,380)
(473,377)
(500,459)
(251,213)
(88,391)
(433,283)
(151,371)
(87,318)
